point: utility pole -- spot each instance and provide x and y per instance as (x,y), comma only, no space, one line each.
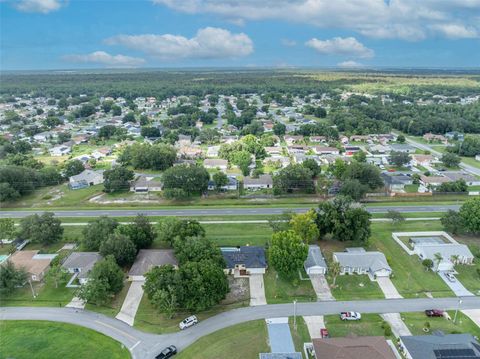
(456,312)
(31,287)
(295,314)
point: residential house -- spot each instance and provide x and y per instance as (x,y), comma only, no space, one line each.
(318,139)
(192,152)
(399,147)
(439,345)
(359,261)
(232,184)
(396,183)
(433,181)
(455,135)
(81,263)
(277,160)
(469,179)
(149,258)
(322,150)
(352,348)
(450,253)
(351,150)
(43,136)
(60,150)
(315,262)
(430,137)
(35,264)
(290,140)
(422,160)
(216,163)
(380,149)
(276,150)
(359,138)
(244,260)
(212,151)
(145,184)
(262,182)
(85,179)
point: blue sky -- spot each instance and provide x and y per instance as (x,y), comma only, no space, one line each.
(61,34)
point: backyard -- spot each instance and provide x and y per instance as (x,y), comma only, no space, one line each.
(46,340)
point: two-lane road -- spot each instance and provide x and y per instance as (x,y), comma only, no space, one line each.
(194,212)
(146,346)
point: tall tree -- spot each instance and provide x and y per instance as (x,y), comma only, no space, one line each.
(304,225)
(140,232)
(44,228)
(120,247)
(11,278)
(287,252)
(470,213)
(117,179)
(98,231)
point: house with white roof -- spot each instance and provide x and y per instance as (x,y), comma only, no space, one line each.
(359,261)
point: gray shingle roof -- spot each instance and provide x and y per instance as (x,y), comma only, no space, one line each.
(149,258)
(83,261)
(372,261)
(314,258)
(424,346)
(250,256)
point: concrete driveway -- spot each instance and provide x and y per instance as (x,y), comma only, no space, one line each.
(321,287)
(473,314)
(314,324)
(131,303)
(456,287)
(257,290)
(399,328)
(388,288)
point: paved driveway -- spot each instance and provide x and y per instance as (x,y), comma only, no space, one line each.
(314,324)
(473,314)
(257,290)
(131,303)
(456,287)
(399,328)
(388,288)
(321,287)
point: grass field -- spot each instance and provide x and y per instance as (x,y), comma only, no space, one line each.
(254,234)
(241,341)
(47,296)
(281,290)
(369,325)
(48,340)
(356,287)
(416,322)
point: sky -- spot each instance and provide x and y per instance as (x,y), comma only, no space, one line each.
(83,34)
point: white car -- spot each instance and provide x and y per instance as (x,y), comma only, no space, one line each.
(450,277)
(188,322)
(350,316)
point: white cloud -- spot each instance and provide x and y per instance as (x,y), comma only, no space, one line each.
(455,31)
(350,64)
(348,46)
(104,58)
(208,43)
(41,6)
(404,19)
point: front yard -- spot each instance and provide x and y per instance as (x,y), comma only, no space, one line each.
(369,325)
(46,340)
(355,287)
(416,322)
(112,308)
(47,296)
(241,341)
(282,290)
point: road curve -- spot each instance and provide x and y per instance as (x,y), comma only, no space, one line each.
(213,211)
(146,346)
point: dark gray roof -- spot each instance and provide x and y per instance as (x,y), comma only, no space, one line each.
(250,256)
(448,346)
(83,261)
(149,258)
(314,258)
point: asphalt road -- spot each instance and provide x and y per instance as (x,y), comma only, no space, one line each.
(212,211)
(146,346)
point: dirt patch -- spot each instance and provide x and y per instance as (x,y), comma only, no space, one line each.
(134,198)
(239,290)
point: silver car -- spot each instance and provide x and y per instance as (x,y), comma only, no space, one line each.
(450,277)
(188,322)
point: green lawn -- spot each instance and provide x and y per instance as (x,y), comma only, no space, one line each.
(280,290)
(409,276)
(255,234)
(355,287)
(301,334)
(241,341)
(416,322)
(112,308)
(411,188)
(49,340)
(469,276)
(369,325)
(148,319)
(47,296)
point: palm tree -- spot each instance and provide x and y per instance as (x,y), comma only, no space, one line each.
(438,259)
(335,271)
(454,258)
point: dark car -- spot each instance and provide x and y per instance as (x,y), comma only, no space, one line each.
(167,352)
(434,313)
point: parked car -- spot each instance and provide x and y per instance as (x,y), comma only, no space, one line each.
(434,313)
(168,352)
(188,322)
(450,277)
(350,316)
(324,333)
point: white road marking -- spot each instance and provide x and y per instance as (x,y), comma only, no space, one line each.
(116,329)
(133,347)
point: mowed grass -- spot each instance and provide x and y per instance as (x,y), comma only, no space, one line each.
(409,275)
(369,325)
(300,335)
(47,296)
(50,340)
(239,234)
(283,290)
(111,308)
(356,287)
(241,341)
(416,322)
